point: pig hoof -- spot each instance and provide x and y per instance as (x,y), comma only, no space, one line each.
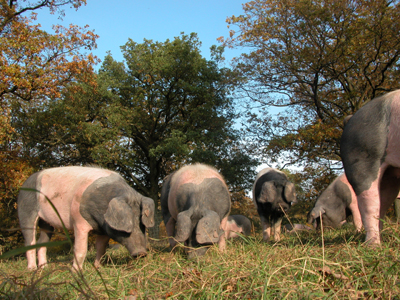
(139,254)
(42,266)
(76,269)
(373,243)
(196,253)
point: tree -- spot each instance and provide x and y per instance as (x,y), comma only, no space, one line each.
(36,64)
(14,170)
(322,60)
(163,107)
(173,107)
(34,67)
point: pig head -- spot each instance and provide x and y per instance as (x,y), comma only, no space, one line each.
(273,195)
(369,148)
(334,205)
(87,199)
(237,224)
(195,205)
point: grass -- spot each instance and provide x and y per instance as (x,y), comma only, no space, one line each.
(306,265)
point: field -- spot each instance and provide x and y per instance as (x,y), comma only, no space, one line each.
(305,265)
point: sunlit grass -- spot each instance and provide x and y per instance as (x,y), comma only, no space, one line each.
(334,266)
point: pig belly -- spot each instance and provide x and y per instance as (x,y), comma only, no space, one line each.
(48,214)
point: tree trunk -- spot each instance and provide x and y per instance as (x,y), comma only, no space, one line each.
(154,232)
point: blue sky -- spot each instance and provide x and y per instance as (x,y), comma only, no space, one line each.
(158,20)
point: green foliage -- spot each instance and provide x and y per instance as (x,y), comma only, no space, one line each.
(162,107)
(321,60)
(34,67)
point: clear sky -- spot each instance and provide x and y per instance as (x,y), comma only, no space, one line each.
(117,20)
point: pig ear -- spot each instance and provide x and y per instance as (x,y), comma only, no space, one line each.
(119,215)
(147,206)
(290,192)
(208,228)
(183,225)
(268,192)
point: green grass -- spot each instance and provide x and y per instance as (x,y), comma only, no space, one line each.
(336,265)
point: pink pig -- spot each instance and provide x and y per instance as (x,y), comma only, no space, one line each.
(87,199)
(195,205)
(371,158)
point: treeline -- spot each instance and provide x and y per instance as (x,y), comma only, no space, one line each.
(165,105)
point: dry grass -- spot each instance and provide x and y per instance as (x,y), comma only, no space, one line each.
(302,266)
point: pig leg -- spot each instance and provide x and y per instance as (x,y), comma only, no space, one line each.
(266,227)
(356,214)
(81,245)
(170,227)
(28,228)
(46,232)
(369,205)
(101,245)
(277,228)
(221,241)
(389,189)
(355,211)
(80,249)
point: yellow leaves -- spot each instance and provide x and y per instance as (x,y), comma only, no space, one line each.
(34,63)
(5,125)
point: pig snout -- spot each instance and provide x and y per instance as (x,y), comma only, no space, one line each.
(136,245)
(139,253)
(282,207)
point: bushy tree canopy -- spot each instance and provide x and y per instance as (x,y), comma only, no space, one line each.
(162,107)
(322,60)
(35,66)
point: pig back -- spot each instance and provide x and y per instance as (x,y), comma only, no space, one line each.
(199,187)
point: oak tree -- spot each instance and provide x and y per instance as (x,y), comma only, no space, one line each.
(162,107)
(35,67)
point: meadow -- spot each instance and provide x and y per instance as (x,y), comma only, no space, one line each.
(331,264)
